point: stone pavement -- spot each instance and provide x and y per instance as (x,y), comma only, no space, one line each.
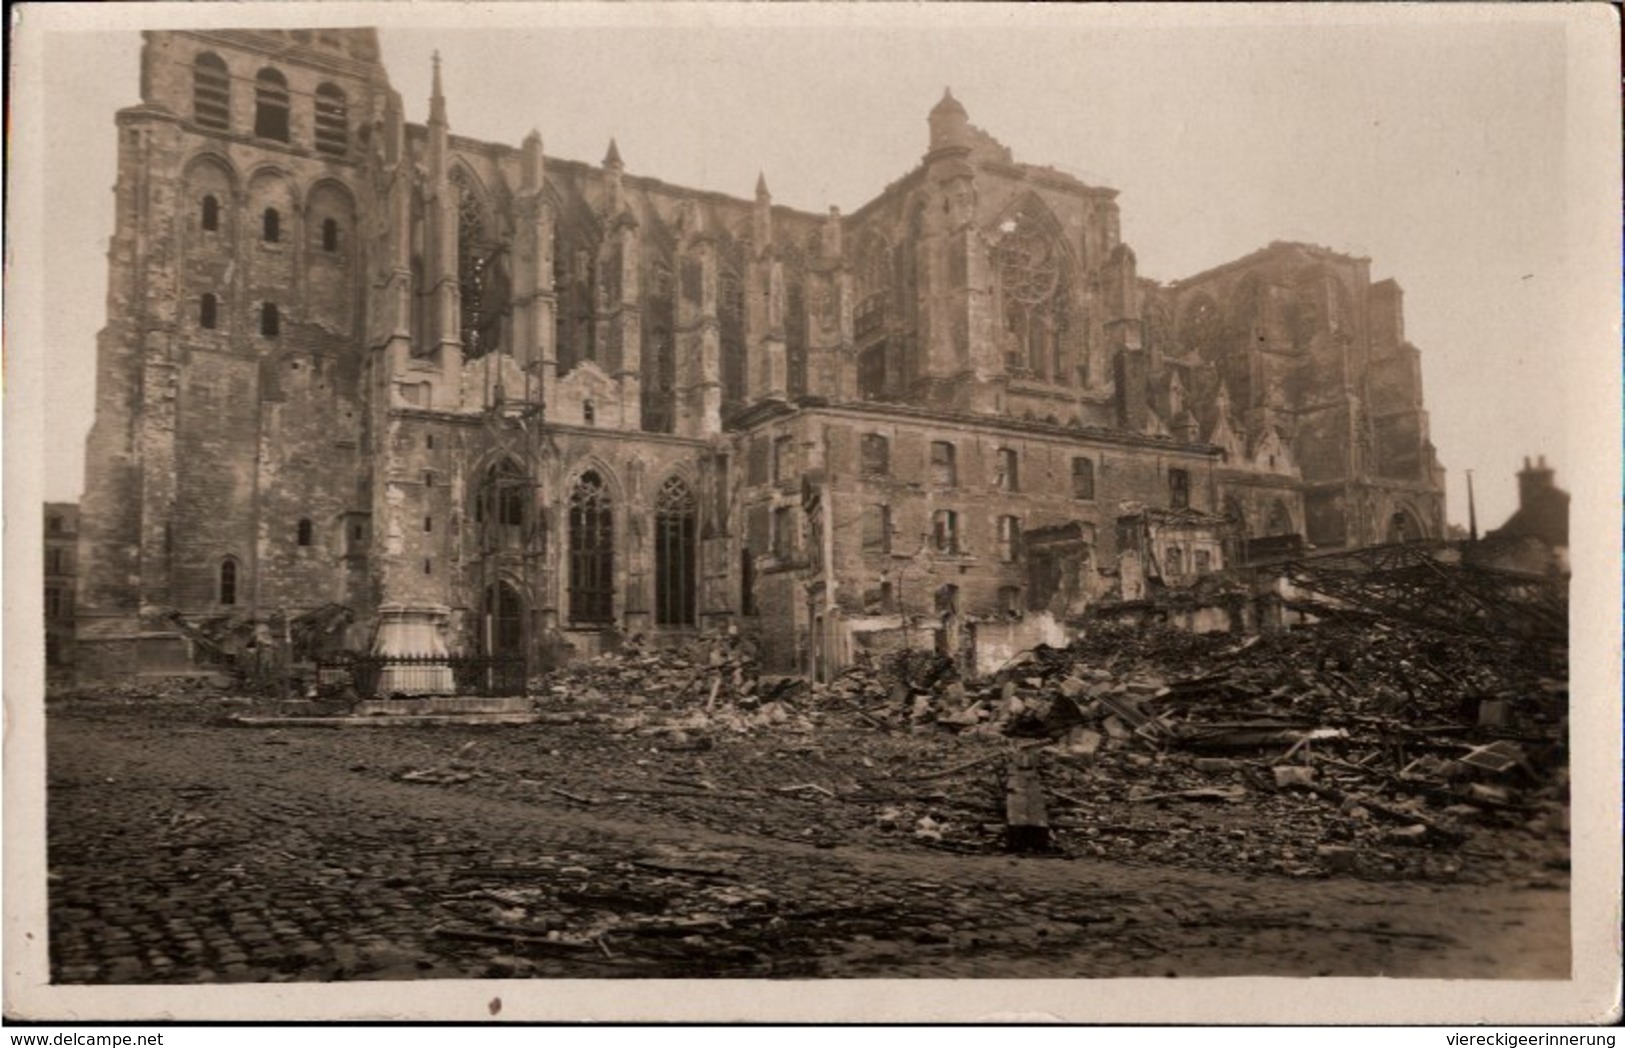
(184,849)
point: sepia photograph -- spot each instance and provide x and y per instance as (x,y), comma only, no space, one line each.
(813,512)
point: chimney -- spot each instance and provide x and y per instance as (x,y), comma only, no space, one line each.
(1533,481)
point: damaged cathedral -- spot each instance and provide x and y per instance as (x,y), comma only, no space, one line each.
(493,400)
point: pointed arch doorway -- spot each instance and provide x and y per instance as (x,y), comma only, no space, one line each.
(502,629)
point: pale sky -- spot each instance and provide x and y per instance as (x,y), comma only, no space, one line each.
(1434,142)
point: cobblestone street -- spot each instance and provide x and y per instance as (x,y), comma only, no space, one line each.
(184,848)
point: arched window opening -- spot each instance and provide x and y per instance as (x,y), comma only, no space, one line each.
(330,234)
(211,91)
(332,121)
(211,214)
(228,581)
(675,531)
(795,340)
(592,551)
(271,226)
(271,105)
(206,311)
(660,359)
(270,320)
(503,496)
(731,324)
(304,531)
(503,631)
(1034,285)
(481,314)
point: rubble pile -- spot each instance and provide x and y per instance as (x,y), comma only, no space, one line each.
(687,693)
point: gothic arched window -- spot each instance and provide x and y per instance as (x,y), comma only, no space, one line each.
(500,504)
(660,359)
(211,91)
(731,322)
(332,121)
(675,532)
(471,268)
(1035,284)
(592,551)
(271,105)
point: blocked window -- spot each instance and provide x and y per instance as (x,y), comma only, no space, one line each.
(211,91)
(271,226)
(945,531)
(330,234)
(1009,538)
(304,531)
(877,529)
(1179,489)
(228,581)
(944,471)
(1083,478)
(332,121)
(271,105)
(270,320)
(206,311)
(875,453)
(210,218)
(1006,466)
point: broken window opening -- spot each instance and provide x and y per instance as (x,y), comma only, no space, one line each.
(206,311)
(675,528)
(944,471)
(228,581)
(1179,489)
(271,105)
(747,582)
(877,529)
(211,214)
(330,235)
(304,531)
(876,455)
(271,226)
(783,532)
(782,449)
(945,531)
(1083,478)
(211,91)
(1009,538)
(1005,471)
(270,320)
(592,551)
(588,415)
(332,121)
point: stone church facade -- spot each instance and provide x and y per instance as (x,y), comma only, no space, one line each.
(511,402)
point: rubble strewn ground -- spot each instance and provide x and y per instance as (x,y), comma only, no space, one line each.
(1293,804)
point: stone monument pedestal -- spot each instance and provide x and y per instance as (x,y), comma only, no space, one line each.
(416,631)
